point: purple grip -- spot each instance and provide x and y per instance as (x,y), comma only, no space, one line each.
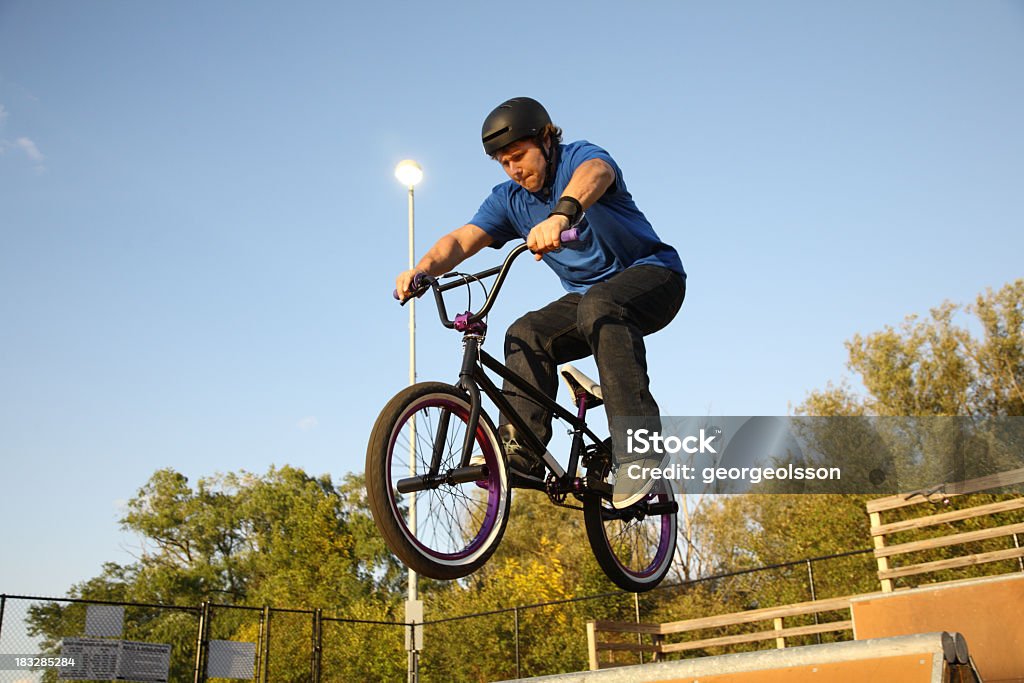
(418,281)
(570,235)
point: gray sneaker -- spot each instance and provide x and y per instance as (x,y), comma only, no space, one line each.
(633,482)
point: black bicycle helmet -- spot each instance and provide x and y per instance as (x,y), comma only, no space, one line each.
(515,119)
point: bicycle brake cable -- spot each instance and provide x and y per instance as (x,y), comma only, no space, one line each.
(469,279)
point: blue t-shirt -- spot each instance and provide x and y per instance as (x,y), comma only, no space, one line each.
(615,234)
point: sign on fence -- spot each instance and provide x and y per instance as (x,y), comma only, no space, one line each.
(93,659)
(104,621)
(115,660)
(231,659)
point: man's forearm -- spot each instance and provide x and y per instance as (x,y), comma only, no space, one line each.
(442,257)
(453,249)
(589,182)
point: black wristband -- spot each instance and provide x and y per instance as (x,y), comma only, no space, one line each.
(570,208)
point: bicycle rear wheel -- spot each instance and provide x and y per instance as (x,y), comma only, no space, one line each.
(449,530)
(633,547)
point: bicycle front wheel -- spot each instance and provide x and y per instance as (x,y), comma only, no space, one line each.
(635,547)
(450,529)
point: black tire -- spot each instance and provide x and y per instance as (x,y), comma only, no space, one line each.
(458,526)
(635,550)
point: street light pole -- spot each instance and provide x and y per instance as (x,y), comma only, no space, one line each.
(413,592)
(409,173)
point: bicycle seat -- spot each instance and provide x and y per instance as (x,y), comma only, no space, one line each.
(581,385)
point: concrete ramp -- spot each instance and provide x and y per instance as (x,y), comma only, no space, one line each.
(921,658)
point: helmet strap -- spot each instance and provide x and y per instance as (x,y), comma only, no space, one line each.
(551,158)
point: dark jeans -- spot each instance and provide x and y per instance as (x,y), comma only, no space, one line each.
(609,322)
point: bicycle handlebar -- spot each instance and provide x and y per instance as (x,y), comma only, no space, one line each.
(422,282)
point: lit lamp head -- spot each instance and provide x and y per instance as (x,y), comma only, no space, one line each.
(408,173)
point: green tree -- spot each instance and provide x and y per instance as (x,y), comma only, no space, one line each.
(935,366)
(947,391)
(282,539)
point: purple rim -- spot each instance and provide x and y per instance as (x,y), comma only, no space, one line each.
(663,544)
(493,483)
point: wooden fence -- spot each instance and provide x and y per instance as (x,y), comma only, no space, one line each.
(886,554)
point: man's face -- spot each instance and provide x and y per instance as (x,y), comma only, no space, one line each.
(524,163)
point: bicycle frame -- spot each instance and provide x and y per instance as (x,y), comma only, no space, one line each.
(476,380)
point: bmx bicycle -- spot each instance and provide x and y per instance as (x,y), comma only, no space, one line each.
(438,481)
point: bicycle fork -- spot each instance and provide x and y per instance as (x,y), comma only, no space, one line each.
(470,358)
(464,473)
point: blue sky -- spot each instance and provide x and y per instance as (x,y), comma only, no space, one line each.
(199,226)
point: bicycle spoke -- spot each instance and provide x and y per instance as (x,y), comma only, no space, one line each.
(449,517)
(634,542)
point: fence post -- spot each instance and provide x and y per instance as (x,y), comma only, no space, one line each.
(592,646)
(202,641)
(515,625)
(266,644)
(3,606)
(1016,544)
(259,646)
(318,642)
(639,636)
(814,594)
(780,641)
(879,542)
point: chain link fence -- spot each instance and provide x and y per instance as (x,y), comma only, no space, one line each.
(218,643)
(38,634)
(56,639)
